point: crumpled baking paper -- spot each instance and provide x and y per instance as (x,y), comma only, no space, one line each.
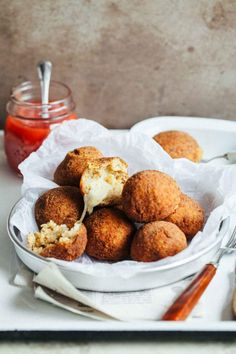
(213,186)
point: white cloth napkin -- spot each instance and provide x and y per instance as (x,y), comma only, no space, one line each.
(147,305)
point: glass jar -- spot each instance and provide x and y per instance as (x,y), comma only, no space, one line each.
(29,121)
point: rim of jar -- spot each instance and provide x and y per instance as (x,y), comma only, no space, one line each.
(67,100)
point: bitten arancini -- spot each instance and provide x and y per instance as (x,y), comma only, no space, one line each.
(57,241)
(149,196)
(179,144)
(109,234)
(69,172)
(63,205)
(157,240)
(189,216)
(102,182)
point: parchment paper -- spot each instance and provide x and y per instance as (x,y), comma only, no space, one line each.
(213,186)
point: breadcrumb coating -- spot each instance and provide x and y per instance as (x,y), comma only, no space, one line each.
(69,172)
(189,216)
(63,205)
(149,196)
(109,234)
(157,240)
(179,144)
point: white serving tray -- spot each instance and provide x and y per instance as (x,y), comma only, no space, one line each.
(19,312)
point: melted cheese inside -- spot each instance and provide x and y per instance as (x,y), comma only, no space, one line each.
(103,184)
(51,233)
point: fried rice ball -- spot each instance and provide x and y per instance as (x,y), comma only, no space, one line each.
(109,234)
(189,216)
(69,171)
(63,205)
(179,144)
(58,241)
(157,240)
(149,196)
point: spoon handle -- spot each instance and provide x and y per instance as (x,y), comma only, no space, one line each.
(44,73)
(231,156)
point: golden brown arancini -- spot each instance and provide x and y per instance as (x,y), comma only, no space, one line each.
(63,205)
(157,240)
(149,196)
(189,216)
(109,234)
(69,171)
(179,144)
(58,241)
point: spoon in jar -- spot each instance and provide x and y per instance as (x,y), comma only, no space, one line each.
(229,156)
(44,73)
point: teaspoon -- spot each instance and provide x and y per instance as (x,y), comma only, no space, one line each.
(44,73)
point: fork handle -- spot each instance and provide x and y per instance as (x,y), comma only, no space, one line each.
(186,301)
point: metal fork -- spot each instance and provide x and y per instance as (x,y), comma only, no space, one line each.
(230,156)
(187,300)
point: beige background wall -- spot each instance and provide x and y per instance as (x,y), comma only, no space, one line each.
(126,59)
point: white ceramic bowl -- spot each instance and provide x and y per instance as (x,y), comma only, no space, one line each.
(143,279)
(215,136)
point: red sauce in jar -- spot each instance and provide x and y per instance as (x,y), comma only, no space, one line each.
(26,128)
(21,139)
